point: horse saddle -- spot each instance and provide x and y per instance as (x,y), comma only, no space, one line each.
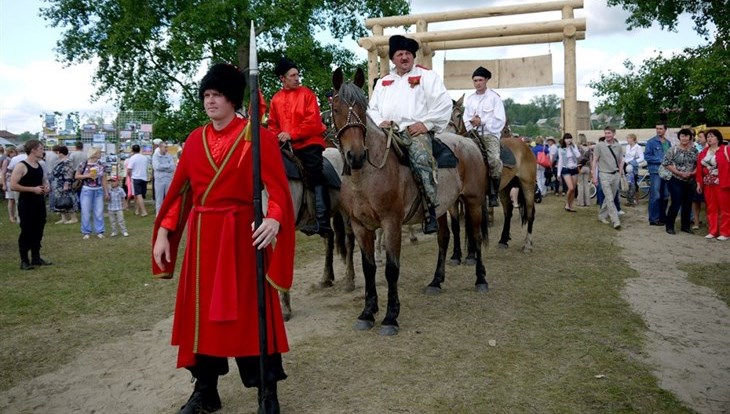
(507,157)
(442,154)
(294,170)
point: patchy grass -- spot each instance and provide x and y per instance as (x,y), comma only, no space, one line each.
(715,276)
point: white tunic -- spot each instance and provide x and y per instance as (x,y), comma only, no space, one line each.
(417,96)
(490,109)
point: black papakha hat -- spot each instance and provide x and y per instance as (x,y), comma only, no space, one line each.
(483,72)
(226,79)
(284,66)
(398,42)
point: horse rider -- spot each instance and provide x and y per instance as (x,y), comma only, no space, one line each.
(414,99)
(294,118)
(486,119)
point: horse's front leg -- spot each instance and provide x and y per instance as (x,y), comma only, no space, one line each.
(443,241)
(366,239)
(477,231)
(530,211)
(328,274)
(349,262)
(285,301)
(392,241)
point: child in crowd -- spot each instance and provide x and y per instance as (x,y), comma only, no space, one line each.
(117,205)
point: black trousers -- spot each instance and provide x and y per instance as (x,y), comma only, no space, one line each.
(32,214)
(681,193)
(311,158)
(248,368)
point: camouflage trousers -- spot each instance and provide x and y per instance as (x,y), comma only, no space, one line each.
(423,165)
(489,144)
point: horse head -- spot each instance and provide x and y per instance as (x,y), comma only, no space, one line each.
(456,123)
(349,117)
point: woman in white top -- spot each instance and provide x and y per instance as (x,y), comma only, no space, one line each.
(633,158)
(568,156)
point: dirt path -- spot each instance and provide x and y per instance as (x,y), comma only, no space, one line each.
(688,326)
(688,340)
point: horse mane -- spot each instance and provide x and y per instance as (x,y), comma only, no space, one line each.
(349,92)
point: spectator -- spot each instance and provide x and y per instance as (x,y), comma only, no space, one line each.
(117,205)
(10,195)
(584,174)
(633,159)
(713,180)
(93,193)
(568,156)
(19,157)
(137,170)
(163,167)
(538,148)
(678,169)
(62,177)
(78,156)
(698,198)
(659,191)
(607,167)
(31,183)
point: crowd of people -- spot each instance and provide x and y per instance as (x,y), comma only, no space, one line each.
(682,177)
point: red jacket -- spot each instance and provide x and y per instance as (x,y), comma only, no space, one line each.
(722,156)
(296,112)
(212,192)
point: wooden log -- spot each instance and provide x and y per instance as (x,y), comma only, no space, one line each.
(502,41)
(553,26)
(392,21)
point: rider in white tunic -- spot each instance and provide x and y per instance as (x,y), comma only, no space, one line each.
(415,99)
(485,119)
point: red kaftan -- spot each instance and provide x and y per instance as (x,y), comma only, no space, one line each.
(212,191)
(296,111)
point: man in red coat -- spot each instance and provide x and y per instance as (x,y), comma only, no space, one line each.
(212,192)
(294,118)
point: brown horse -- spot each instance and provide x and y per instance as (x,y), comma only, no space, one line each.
(381,192)
(521,175)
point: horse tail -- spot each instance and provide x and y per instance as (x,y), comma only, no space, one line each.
(338,225)
(523,205)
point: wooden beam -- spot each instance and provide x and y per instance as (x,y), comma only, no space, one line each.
(553,26)
(502,41)
(392,21)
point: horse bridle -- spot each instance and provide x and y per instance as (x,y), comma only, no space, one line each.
(353,120)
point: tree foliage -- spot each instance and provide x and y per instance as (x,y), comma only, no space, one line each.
(148,54)
(666,12)
(689,88)
(524,118)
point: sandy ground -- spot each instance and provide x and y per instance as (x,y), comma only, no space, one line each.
(688,340)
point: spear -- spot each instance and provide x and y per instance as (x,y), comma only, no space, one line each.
(253,73)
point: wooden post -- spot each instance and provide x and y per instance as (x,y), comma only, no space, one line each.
(424,51)
(373,61)
(570,115)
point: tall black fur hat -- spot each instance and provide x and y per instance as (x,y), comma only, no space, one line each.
(483,72)
(398,42)
(284,66)
(226,79)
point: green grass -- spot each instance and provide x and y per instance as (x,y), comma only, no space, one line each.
(715,276)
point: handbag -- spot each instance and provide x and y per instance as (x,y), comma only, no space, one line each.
(63,201)
(76,185)
(543,159)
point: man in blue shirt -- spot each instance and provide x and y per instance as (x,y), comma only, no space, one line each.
(659,192)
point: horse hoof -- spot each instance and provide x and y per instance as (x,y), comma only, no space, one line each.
(362,325)
(348,287)
(502,245)
(389,330)
(414,240)
(325,284)
(286,315)
(527,249)
(432,290)
(470,261)
(481,288)
(454,262)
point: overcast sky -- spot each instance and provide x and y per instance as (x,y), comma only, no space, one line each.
(32,82)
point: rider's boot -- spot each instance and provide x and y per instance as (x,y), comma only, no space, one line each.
(430,225)
(493,191)
(205,398)
(268,400)
(322,209)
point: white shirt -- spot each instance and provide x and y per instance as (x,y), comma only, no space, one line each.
(15,160)
(490,109)
(138,163)
(417,96)
(635,153)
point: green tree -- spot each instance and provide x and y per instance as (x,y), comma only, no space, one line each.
(692,87)
(26,136)
(149,53)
